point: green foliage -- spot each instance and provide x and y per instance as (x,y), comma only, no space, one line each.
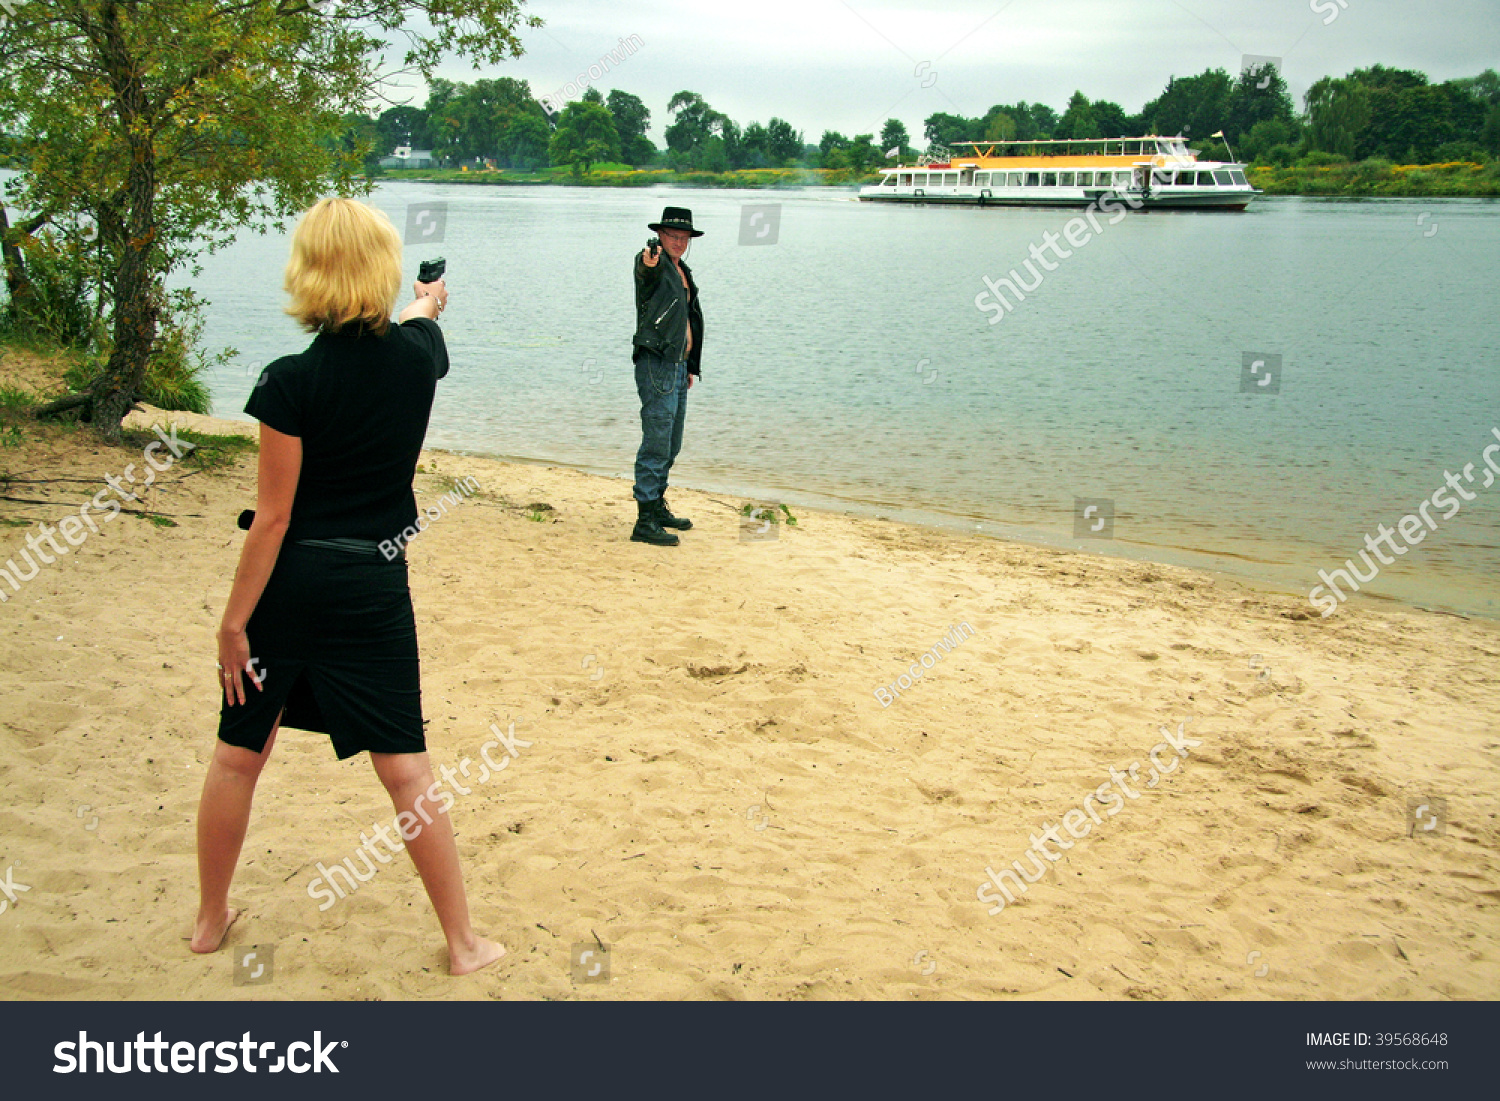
(175,126)
(59,302)
(489,119)
(210,451)
(177,364)
(1266,135)
(631,120)
(1195,106)
(1078,120)
(1379,178)
(585,135)
(695,139)
(1318,158)
(13,397)
(893,134)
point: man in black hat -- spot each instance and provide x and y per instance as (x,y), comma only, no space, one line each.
(668,349)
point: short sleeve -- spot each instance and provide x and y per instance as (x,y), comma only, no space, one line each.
(273,401)
(427,335)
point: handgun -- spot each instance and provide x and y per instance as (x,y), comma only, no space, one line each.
(432,270)
(654,247)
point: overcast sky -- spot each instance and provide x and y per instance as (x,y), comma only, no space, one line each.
(848,66)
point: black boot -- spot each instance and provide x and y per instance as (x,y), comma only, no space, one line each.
(665,518)
(647,530)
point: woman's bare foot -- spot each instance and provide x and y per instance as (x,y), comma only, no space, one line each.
(481,953)
(209,935)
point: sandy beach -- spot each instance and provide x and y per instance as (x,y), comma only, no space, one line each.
(704,773)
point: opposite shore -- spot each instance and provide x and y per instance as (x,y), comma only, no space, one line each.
(1366,179)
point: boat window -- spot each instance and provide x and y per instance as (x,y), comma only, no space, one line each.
(906,179)
(1122,179)
(950,179)
(1049,179)
(1065,179)
(1085,179)
(1013,179)
(1033,179)
(1223,179)
(981,179)
(1239,177)
(889,181)
(1185,179)
(1160,177)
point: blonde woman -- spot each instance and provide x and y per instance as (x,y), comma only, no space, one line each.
(318,633)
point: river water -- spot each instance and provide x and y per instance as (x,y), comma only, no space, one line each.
(847,365)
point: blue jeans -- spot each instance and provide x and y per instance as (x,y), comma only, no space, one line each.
(663,388)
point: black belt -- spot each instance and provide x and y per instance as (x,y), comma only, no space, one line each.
(348,546)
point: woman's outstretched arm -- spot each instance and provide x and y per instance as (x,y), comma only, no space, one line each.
(276,487)
(432,299)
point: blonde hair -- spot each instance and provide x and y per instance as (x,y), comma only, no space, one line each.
(345,267)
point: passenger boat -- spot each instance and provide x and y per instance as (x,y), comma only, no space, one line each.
(1153,172)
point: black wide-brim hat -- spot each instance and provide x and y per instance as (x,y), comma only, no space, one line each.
(675,217)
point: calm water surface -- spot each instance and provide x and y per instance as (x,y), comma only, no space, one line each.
(848,365)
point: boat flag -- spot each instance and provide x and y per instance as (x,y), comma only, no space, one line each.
(893,151)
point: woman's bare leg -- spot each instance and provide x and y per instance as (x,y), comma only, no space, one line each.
(407,777)
(223,816)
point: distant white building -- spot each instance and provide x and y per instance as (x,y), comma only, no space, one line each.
(404,156)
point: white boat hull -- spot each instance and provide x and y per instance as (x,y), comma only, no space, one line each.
(1167,198)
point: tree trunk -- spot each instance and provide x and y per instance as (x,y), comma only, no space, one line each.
(137,293)
(16,281)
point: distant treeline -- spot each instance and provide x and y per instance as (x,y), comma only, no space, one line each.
(1392,114)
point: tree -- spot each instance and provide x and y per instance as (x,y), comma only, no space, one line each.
(473,118)
(403,125)
(695,126)
(1259,95)
(861,155)
(830,141)
(631,120)
(1195,106)
(1078,120)
(752,148)
(783,144)
(523,143)
(1112,120)
(1337,111)
(999,127)
(172,126)
(585,136)
(893,135)
(1486,89)
(942,129)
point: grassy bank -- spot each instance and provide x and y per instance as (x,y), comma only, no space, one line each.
(621,175)
(1378,178)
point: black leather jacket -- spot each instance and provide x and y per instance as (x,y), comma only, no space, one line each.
(659,307)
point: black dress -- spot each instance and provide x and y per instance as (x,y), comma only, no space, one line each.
(333,639)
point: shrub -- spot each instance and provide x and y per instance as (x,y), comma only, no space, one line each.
(1320,158)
